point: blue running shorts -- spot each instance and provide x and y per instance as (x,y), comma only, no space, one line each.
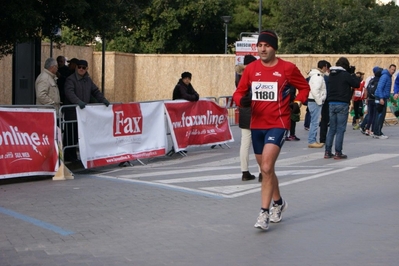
(260,137)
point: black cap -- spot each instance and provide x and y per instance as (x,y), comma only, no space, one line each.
(82,63)
(73,60)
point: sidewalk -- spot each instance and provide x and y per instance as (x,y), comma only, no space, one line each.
(195,210)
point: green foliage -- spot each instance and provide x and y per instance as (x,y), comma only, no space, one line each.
(22,20)
(352,27)
(188,26)
(183,26)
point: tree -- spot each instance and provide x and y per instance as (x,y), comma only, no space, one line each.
(22,20)
(345,26)
(246,16)
(184,26)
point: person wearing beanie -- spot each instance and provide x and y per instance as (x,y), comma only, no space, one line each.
(243,123)
(264,87)
(184,89)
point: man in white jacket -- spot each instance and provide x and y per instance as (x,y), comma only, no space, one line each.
(47,92)
(316,99)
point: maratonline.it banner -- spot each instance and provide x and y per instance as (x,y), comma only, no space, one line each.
(27,142)
(197,123)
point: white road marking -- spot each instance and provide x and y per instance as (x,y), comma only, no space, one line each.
(235,176)
(242,193)
(233,191)
(300,159)
(181,171)
(367,159)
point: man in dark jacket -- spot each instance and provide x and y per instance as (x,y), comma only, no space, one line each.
(342,80)
(79,89)
(382,95)
(184,89)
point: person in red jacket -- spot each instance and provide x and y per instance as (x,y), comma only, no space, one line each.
(268,80)
(357,101)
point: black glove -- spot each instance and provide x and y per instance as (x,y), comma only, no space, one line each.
(82,104)
(106,102)
(295,108)
(379,107)
(246,100)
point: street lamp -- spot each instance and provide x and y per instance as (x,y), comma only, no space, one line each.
(260,15)
(226,20)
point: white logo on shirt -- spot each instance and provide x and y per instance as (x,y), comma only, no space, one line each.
(257,74)
(277,74)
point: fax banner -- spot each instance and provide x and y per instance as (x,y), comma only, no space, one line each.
(121,132)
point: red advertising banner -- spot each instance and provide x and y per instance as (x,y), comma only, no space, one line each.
(27,142)
(197,123)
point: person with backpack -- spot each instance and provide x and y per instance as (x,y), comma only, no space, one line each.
(371,86)
(382,94)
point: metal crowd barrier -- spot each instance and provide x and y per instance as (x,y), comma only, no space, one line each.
(232,108)
(69,125)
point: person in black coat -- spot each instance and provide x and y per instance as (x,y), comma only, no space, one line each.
(244,120)
(342,80)
(184,89)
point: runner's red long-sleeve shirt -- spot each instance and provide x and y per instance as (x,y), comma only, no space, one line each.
(270,93)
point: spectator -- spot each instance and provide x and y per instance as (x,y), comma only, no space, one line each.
(325,116)
(266,80)
(306,123)
(357,99)
(342,79)
(366,125)
(244,124)
(382,94)
(79,88)
(317,95)
(62,74)
(72,65)
(295,117)
(184,89)
(46,88)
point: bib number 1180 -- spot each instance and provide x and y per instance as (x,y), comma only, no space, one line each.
(265,95)
(264,91)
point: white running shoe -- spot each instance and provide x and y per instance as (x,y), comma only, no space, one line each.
(276,210)
(263,221)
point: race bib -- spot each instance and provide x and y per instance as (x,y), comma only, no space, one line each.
(264,91)
(358,94)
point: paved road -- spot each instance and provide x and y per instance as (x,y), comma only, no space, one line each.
(195,210)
